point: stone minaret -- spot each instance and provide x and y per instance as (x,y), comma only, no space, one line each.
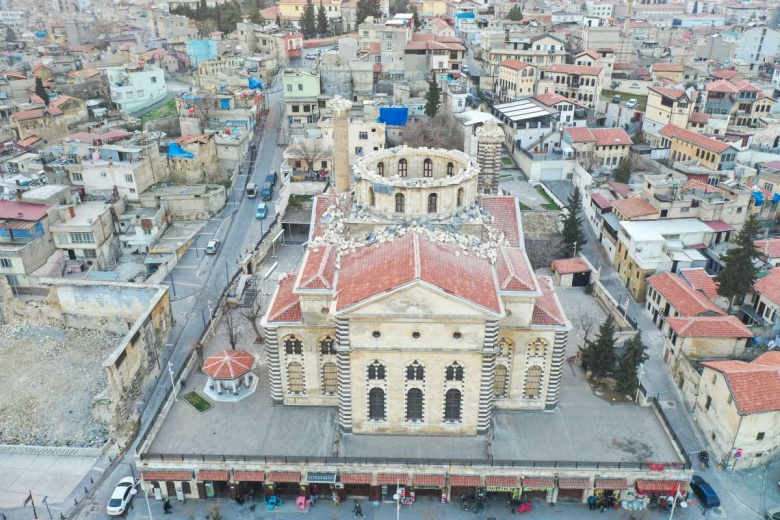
(340,108)
(489,139)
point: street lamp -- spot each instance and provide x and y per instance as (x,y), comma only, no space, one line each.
(146,495)
(132,469)
(397,499)
(173,383)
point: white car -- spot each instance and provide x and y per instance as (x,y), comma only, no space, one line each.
(121,497)
(212,247)
(631,103)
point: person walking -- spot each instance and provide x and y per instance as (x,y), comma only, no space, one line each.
(358,510)
(167,506)
(592,503)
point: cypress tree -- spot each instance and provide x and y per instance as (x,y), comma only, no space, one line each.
(634,354)
(573,234)
(598,356)
(432,98)
(322,21)
(739,273)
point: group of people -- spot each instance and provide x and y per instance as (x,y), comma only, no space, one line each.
(603,502)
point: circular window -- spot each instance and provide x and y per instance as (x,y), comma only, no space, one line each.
(415,335)
(457,335)
(376,334)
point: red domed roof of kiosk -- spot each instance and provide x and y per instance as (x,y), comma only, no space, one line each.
(229,364)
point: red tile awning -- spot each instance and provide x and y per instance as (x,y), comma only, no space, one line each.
(465,480)
(428,480)
(356,478)
(499,481)
(574,483)
(168,476)
(284,476)
(538,482)
(210,475)
(392,478)
(664,486)
(611,483)
(249,476)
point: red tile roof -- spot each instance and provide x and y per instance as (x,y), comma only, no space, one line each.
(514,271)
(580,134)
(699,118)
(634,207)
(249,476)
(700,280)
(514,64)
(428,480)
(755,386)
(611,483)
(671,93)
(500,481)
(379,269)
(551,98)
(601,201)
(12,210)
(589,52)
(721,85)
(291,477)
(357,478)
(285,307)
(202,139)
(570,265)
(769,285)
(668,67)
(564,68)
(574,483)
(506,214)
(719,225)
(600,136)
(229,364)
(319,268)
(547,308)
(166,475)
(621,188)
(392,478)
(207,475)
(661,485)
(724,74)
(693,184)
(539,482)
(769,248)
(687,300)
(702,141)
(466,480)
(746,86)
(709,327)
(26,143)
(36,113)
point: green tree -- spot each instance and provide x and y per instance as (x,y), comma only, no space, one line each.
(322,21)
(432,98)
(366,8)
(278,20)
(416,19)
(573,233)
(41,92)
(202,11)
(634,354)
(308,20)
(598,356)
(10,35)
(514,14)
(623,171)
(739,274)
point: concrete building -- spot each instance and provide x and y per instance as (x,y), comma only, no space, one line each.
(601,57)
(174,29)
(665,106)
(668,71)
(301,94)
(515,79)
(598,148)
(576,82)
(25,240)
(140,228)
(134,88)
(756,44)
(542,50)
(282,45)
(46,123)
(85,232)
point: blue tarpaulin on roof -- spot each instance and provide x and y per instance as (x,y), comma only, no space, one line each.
(775,198)
(394,116)
(759,198)
(174,150)
(189,97)
(224,104)
(40,34)
(253,84)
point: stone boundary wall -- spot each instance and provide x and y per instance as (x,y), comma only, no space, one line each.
(59,451)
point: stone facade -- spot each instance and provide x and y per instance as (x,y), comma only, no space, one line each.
(489,139)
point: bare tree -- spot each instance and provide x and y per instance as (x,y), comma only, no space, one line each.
(587,321)
(443,131)
(309,151)
(252,315)
(203,103)
(232,326)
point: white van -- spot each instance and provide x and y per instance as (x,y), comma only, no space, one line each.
(251,190)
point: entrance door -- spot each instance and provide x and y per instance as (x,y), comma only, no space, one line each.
(71,254)
(170,489)
(570,494)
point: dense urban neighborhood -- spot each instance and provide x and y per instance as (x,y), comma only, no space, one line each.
(389,258)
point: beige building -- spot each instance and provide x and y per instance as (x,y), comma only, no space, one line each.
(578,82)
(203,164)
(665,106)
(598,148)
(515,79)
(86,233)
(46,123)
(669,296)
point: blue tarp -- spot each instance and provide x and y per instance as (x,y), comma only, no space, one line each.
(466,15)
(394,116)
(189,97)
(775,198)
(224,104)
(759,198)
(174,150)
(40,34)
(253,84)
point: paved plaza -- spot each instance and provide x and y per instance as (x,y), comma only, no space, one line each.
(52,475)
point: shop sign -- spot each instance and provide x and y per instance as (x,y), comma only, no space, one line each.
(536,488)
(504,489)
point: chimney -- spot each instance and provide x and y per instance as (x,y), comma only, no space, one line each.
(340,108)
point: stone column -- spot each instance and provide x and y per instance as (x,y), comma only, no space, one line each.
(340,108)
(274,370)
(487,377)
(556,370)
(344,375)
(489,139)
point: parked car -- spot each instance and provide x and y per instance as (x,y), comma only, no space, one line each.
(311,56)
(262,210)
(616,99)
(267,192)
(121,497)
(465,69)
(631,103)
(272,177)
(772,514)
(212,247)
(707,496)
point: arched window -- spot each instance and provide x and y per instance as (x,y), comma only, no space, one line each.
(460,197)
(371,198)
(376,370)
(380,168)
(327,346)
(427,168)
(414,405)
(499,381)
(454,372)
(432,200)
(452,402)
(533,382)
(293,345)
(415,372)
(400,203)
(376,404)
(450,169)
(537,348)
(330,378)
(402,168)
(505,346)
(295,378)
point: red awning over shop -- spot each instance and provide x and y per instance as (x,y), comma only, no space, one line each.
(284,476)
(249,476)
(539,482)
(660,486)
(209,475)
(393,478)
(428,480)
(574,483)
(611,483)
(168,476)
(356,478)
(498,481)
(465,480)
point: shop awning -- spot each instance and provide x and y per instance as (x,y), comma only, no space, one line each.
(611,483)
(356,478)
(284,476)
(393,478)
(428,480)
(663,486)
(317,477)
(167,476)
(465,480)
(574,483)
(249,476)
(538,482)
(502,482)
(210,475)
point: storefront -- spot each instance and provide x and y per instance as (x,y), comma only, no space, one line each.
(213,483)
(502,488)
(358,485)
(538,487)
(169,484)
(576,489)
(285,484)
(249,484)
(429,486)
(605,487)
(319,483)
(388,484)
(464,485)
(660,487)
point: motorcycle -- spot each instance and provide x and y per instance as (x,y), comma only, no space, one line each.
(464,502)
(704,458)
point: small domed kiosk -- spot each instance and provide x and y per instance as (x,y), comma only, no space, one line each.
(230,377)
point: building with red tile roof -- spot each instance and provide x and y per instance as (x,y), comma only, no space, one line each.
(769,250)
(581,82)
(635,208)
(599,148)
(701,280)
(670,296)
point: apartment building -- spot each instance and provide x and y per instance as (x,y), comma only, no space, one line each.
(141,228)
(515,79)
(540,51)
(426,54)
(85,232)
(598,148)
(601,57)
(25,240)
(174,29)
(293,9)
(707,153)
(657,14)
(757,44)
(576,81)
(134,88)
(669,296)
(665,106)
(301,93)
(282,45)
(229,65)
